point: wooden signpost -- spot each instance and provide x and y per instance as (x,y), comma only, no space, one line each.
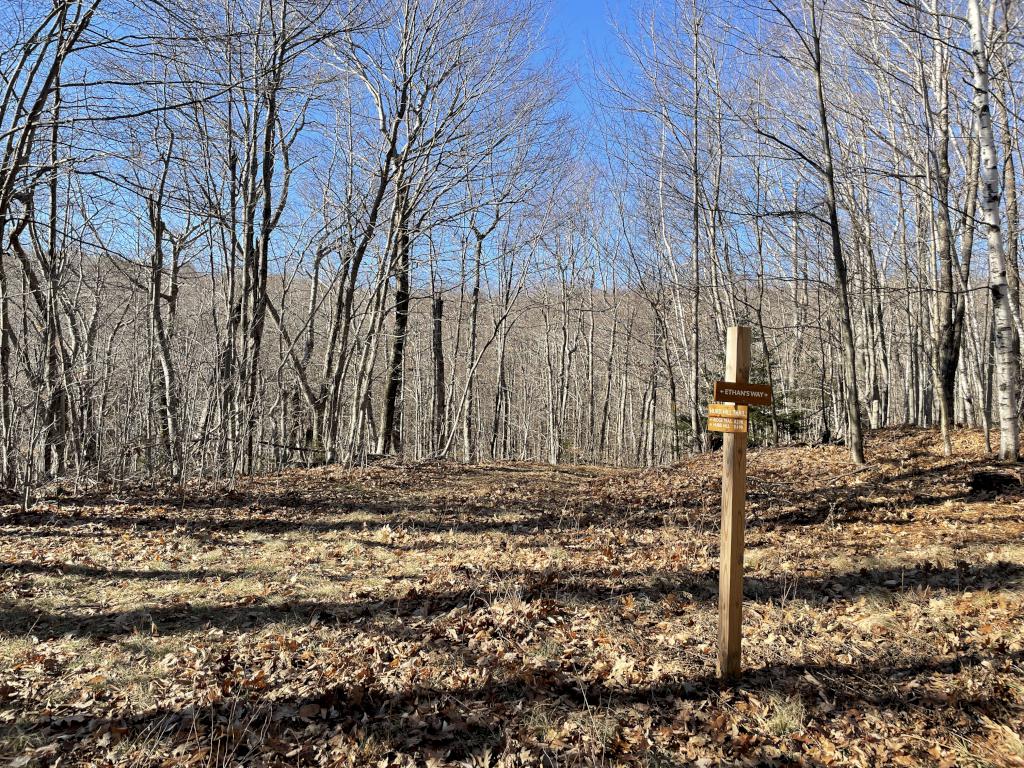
(730,418)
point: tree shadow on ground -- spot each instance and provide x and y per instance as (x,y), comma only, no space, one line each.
(570,589)
(339,507)
(263,514)
(884,498)
(460,721)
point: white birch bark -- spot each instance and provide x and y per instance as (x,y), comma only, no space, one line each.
(1006,361)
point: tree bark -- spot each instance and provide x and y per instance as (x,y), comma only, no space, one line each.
(854,436)
(1006,362)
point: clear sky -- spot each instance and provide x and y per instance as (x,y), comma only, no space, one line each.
(583,23)
(579,28)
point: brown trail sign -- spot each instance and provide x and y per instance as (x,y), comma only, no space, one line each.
(735,389)
(745,394)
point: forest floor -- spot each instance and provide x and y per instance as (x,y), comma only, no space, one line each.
(519,615)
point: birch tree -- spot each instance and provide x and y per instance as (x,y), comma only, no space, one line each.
(1005,322)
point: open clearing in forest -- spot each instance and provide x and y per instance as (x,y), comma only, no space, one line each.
(522,615)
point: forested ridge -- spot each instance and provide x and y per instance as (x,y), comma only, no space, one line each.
(238,236)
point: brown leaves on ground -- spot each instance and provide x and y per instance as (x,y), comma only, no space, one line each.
(518,615)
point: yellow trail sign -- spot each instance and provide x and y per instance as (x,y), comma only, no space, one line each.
(723,424)
(727,410)
(726,417)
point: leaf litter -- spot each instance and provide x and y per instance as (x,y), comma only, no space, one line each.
(438,614)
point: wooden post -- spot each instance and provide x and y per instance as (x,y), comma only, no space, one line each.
(734,495)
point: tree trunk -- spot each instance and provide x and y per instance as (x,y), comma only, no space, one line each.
(390,430)
(1006,362)
(437,351)
(854,437)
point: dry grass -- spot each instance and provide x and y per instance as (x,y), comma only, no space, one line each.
(786,715)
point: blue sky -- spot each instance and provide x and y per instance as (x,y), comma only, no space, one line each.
(581,27)
(583,22)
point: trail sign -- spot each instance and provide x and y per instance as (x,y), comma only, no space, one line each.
(726,417)
(730,426)
(727,410)
(743,393)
